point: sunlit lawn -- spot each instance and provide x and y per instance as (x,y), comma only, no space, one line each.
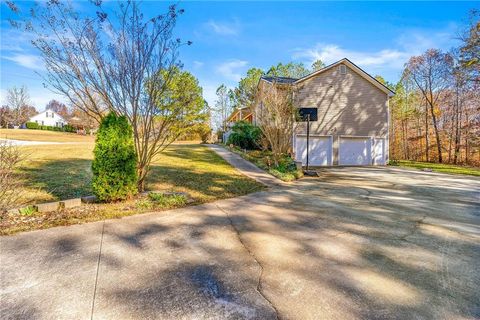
(438,167)
(55,172)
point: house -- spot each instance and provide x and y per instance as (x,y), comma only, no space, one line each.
(49,118)
(352,115)
(239,114)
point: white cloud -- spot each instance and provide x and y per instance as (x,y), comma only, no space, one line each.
(29,61)
(231,69)
(224,28)
(330,53)
(385,60)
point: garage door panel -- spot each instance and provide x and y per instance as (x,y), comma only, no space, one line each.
(320,150)
(378,153)
(355,151)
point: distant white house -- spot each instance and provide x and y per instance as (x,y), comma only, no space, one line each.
(49,118)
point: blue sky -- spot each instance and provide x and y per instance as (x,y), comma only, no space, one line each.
(231,37)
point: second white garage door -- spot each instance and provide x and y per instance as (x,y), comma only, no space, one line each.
(320,150)
(355,151)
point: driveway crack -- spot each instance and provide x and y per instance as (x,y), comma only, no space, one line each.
(414,230)
(98,268)
(259,280)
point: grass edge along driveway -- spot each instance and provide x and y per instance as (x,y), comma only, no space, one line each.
(193,169)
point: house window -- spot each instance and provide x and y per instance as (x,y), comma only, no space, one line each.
(343,69)
(46,114)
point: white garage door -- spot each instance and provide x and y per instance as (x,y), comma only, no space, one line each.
(320,150)
(355,151)
(378,154)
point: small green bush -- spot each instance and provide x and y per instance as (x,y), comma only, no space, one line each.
(162,201)
(114,165)
(245,135)
(27,211)
(168,200)
(31,125)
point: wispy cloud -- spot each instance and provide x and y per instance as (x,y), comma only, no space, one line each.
(224,28)
(231,69)
(330,53)
(405,46)
(198,64)
(29,61)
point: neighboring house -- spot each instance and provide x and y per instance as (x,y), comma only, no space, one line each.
(353,116)
(239,114)
(49,118)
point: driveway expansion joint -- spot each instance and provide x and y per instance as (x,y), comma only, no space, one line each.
(259,281)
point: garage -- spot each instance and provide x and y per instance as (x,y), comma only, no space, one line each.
(320,150)
(355,151)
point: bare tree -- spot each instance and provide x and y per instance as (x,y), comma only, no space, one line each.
(58,107)
(18,100)
(101,64)
(275,116)
(10,190)
(431,74)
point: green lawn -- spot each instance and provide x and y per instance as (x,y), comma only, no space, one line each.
(55,172)
(437,167)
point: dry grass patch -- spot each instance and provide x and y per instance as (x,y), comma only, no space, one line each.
(43,135)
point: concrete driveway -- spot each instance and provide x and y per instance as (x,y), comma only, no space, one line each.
(355,243)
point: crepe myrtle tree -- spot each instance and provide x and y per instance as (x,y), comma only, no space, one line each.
(275,116)
(110,61)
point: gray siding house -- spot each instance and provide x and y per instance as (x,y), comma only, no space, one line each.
(353,116)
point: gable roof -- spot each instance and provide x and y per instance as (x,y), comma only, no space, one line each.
(48,110)
(354,67)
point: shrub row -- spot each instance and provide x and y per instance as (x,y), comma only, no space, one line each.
(36,126)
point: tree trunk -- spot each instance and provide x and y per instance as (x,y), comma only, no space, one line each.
(426,134)
(437,135)
(141,184)
(458,115)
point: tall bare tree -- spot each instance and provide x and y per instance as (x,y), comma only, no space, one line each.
(431,74)
(222,106)
(104,64)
